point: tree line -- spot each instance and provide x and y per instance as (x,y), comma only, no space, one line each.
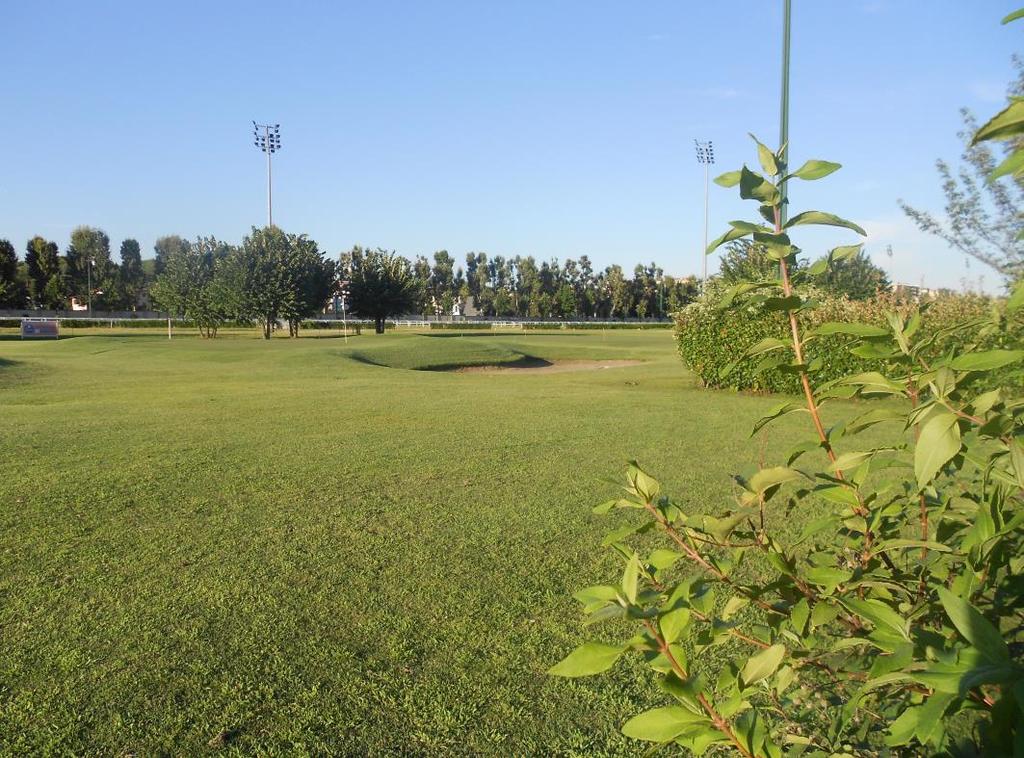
(273,277)
(185,275)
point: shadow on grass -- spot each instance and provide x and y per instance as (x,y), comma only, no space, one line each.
(527,361)
(509,333)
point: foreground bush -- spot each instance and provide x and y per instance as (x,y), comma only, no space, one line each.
(896,612)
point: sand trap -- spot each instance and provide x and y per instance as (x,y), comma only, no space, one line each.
(544,367)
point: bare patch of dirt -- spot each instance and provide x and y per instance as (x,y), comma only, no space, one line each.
(545,367)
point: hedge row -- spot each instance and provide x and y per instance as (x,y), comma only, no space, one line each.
(710,338)
(597,325)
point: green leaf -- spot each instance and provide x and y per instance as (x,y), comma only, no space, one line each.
(986,360)
(1005,124)
(820,218)
(767,158)
(617,535)
(872,381)
(843,252)
(674,623)
(729,236)
(975,628)
(901,544)
(763,664)
(770,478)
(662,559)
(1014,165)
(828,577)
(791,303)
(1013,17)
(852,459)
(630,578)
(815,169)
(589,658)
(600,593)
(799,614)
(661,724)
(1017,460)
(938,443)
(879,614)
(854,328)
(728,179)
(1016,298)
(755,187)
(778,411)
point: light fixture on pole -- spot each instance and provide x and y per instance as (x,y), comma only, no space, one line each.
(706,157)
(267,137)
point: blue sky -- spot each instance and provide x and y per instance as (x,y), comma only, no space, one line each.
(554,128)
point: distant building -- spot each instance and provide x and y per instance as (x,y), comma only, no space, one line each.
(916,293)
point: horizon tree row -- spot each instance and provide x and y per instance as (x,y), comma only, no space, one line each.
(208,280)
(498,286)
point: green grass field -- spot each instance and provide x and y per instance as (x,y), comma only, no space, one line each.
(304,546)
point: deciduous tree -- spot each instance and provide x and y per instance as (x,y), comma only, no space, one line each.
(382,285)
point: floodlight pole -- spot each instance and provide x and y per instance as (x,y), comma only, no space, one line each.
(270,186)
(269,142)
(706,156)
(704,249)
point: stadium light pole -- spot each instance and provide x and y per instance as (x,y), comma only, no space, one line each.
(269,141)
(705,156)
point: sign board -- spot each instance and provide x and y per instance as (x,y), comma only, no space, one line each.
(40,328)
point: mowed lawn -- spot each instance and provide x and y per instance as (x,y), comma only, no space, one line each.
(305,546)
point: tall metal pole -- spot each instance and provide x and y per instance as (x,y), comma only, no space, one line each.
(784,110)
(88,280)
(270,184)
(269,142)
(704,250)
(705,155)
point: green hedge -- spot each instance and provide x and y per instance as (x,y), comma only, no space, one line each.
(598,325)
(353,326)
(710,338)
(459,325)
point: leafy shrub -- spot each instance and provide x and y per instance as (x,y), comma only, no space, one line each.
(711,339)
(597,325)
(353,326)
(459,325)
(895,612)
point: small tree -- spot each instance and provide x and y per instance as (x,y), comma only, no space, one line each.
(316,280)
(132,279)
(88,263)
(11,288)
(45,281)
(856,277)
(745,260)
(267,275)
(382,285)
(190,285)
(164,248)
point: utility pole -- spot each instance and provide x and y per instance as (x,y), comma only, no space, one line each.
(269,142)
(705,156)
